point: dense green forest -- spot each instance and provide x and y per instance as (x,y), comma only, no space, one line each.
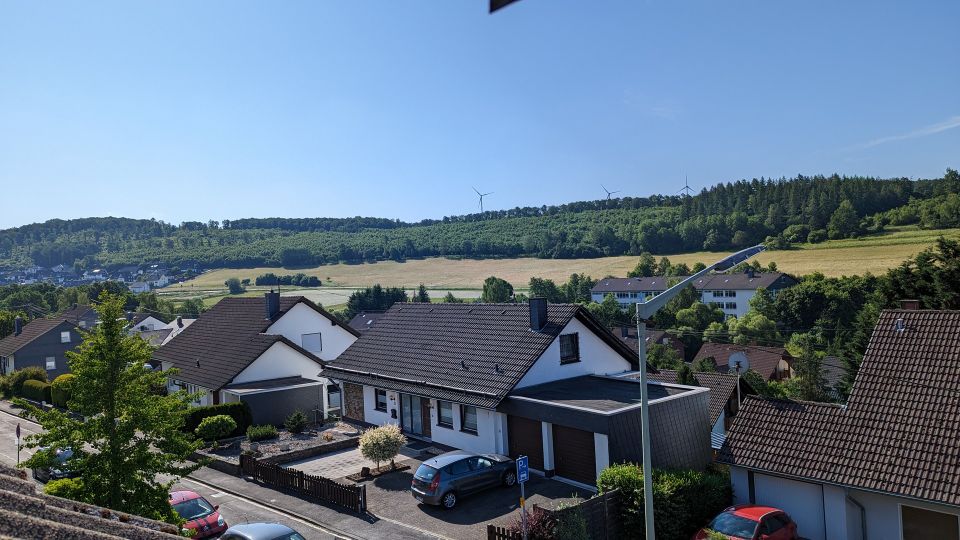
(726,216)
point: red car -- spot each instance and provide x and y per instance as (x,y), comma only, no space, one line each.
(751,522)
(201,516)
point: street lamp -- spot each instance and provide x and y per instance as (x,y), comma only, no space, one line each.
(645,310)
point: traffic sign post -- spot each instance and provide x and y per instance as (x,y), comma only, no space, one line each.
(523,474)
(18,444)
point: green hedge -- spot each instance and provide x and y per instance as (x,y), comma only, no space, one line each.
(261,433)
(239,411)
(683,500)
(16,379)
(36,390)
(213,428)
(60,389)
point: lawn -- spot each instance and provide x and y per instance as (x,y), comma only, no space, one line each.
(834,258)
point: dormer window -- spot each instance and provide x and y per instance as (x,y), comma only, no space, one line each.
(569,348)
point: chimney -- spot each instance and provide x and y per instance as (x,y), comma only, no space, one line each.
(272,303)
(911,305)
(179,321)
(17,326)
(624,331)
(749,272)
(538,313)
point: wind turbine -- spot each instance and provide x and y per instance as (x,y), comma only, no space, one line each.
(609,193)
(686,187)
(482,195)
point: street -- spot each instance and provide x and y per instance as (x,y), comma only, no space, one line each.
(235,510)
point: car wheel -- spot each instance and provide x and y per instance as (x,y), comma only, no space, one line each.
(449,500)
(510,478)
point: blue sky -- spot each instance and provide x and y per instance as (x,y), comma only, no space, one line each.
(188,110)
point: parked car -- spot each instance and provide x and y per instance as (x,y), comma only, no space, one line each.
(444,479)
(61,468)
(751,522)
(202,517)
(261,531)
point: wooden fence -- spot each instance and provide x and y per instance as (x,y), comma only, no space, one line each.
(602,514)
(501,533)
(350,497)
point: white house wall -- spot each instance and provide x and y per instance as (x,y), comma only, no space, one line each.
(370,413)
(302,319)
(280,360)
(596,358)
(491,430)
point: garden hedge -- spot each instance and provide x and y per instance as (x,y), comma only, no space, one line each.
(239,411)
(36,390)
(60,389)
(16,379)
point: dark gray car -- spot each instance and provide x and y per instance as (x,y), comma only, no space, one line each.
(444,479)
(261,531)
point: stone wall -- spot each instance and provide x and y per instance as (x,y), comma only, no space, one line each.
(353,401)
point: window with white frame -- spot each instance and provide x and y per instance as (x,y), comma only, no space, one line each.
(51,363)
(730,294)
(65,337)
(468,419)
(718,294)
(381,396)
(731,305)
(445,414)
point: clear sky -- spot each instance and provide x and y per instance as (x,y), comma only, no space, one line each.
(197,110)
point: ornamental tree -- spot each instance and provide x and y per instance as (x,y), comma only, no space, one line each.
(382,443)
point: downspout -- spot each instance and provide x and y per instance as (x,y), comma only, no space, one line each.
(863,516)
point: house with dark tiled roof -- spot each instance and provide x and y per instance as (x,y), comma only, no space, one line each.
(363,321)
(40,343)
(884,466)
(545,381)
(267,352)
(729,292)
(772,363)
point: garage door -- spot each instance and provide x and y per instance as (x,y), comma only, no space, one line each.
(802,500)
(525,437)
(574,454)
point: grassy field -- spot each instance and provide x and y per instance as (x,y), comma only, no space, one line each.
(834,258)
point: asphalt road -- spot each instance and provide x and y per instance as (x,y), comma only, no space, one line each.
(235,510)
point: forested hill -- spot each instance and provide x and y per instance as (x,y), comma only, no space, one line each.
(726,216)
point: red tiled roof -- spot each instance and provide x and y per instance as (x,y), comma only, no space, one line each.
(763,360)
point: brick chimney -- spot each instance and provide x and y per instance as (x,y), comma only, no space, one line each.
(911,305)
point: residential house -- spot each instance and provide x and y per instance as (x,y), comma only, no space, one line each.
(176,326)
(537,380)
(81,315)
(729,292)
(884,466)
(772,363)
(142,322)
(138,287)
(265,351)
(654,337)
(95,275)
(42,343)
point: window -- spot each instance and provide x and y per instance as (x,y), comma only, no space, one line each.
(569,348)
(730,294)
(731,305)
(51,362)
(718,294)
(65,337)
(919,524)
(468,419)
(381,399)
(445,414)
(312,342)
(479,463)
(458,467)
(772,524)
(333,396)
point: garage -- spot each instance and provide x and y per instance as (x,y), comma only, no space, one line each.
(525,438)
(802,500)
(574,454)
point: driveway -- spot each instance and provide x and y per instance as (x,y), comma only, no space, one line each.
(388,497)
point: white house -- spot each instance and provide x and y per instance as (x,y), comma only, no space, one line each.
(537,380)
(882,467)
(266,351)
(729,292)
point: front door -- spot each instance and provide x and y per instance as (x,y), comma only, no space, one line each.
(412,414)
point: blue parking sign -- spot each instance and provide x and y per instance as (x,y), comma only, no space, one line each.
(523,469)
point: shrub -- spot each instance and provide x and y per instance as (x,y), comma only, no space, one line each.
(817,236)
(216,427)
(68,488)
(36,390)
(239,411)
(18,377)
(571,524)
(296,422)
(261,433)
(382,443)
(540,525)
(60,389)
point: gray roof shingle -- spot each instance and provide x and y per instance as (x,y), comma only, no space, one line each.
(899,432)
(469,353)
(737,281)
(722,387)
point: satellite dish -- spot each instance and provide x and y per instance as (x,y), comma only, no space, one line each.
(738,359)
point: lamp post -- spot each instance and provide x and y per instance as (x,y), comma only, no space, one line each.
(645,310)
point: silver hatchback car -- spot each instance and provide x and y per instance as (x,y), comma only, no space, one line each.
(444,479)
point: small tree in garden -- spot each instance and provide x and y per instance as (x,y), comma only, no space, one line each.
(216,427)
(382,443)
(296,422)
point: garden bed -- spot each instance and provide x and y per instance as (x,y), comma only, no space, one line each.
(286,446)
(376,472)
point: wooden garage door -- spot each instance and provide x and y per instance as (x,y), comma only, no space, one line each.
(525,437)
(574,454)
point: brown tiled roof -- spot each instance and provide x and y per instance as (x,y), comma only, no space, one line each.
(30,331)
(468,353)
(763,360)
(900,430)
(721,385)
(224,340)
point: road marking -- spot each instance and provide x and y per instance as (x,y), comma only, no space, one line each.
(218,494)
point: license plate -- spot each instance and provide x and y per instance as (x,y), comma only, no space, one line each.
(419,498)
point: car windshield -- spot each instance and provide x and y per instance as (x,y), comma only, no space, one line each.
(63,456)
(193,508)
(290,536)
(425,472)
(733,525)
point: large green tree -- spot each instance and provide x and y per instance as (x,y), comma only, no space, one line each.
(126,437)
(496,290)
